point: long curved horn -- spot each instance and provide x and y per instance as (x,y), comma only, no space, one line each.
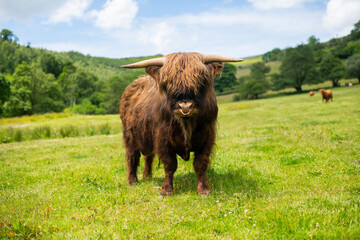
(150,62)
(219,58)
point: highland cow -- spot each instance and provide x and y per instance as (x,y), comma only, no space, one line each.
(326,95)
(311,93)
(172,111)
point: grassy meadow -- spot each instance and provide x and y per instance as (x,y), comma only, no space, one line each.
(54,126)
(286,167)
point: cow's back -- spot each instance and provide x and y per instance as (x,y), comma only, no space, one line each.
(137,108)
(134,95)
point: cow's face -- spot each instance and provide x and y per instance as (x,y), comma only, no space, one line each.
(184,81)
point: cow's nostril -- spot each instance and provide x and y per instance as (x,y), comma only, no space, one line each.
(186,107)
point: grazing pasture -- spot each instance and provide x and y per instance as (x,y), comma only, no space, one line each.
(284,168)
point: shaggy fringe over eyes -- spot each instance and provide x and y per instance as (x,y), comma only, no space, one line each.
(184,71)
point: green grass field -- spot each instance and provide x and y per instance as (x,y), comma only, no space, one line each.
(286,167)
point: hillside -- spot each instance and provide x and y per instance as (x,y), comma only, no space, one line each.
(36,81)
(106,68)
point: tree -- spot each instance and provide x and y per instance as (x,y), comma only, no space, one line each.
(67,83)
(20,98)
(50,64)
(115,86)
(7,61)
(253,88)
(273,55)
(227,79)
(279,82)
(353,66)
(298,67)
(256,83)
(77,85)
(46,92)
(85,84)
(332,68)
(342,50)
(355,33)
(33,91)
(314,42)
(353,47)
(258,71)
(4,91)
(8,35)
(22,55)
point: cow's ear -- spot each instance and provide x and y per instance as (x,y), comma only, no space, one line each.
(215,67)
(153,71)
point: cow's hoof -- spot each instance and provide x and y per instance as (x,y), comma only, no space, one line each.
(167,191)
(147,176)
(132,180)
(163,193)
(132,183)
(204,192)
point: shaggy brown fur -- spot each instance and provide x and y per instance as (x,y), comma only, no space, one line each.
(172,111)
(311,93)
(326,95)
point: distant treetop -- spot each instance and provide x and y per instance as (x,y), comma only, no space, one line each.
(8,35)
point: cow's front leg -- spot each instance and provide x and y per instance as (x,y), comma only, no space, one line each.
(201,162)
(170,166)
(133,157)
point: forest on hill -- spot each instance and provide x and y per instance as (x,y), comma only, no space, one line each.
(37,81)
(305,64)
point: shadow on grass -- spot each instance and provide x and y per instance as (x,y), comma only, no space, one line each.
(238,181)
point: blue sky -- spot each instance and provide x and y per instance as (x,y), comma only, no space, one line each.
(127,28)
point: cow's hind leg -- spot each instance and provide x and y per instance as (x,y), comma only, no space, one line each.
(148,166)
(133,158)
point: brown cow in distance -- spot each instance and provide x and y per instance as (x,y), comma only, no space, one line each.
(311,93)
(172,111)
(326,95)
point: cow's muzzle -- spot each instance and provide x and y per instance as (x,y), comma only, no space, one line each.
(185,109)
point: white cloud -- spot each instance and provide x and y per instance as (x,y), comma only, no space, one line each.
(341,15)
(275,22)
(274,4)
(71,9)
(236,32)
(55,11)
(115,14)
(23,10)
(239,32)
(159,35)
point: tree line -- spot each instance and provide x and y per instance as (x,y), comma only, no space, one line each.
(309,63)
(36,81)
